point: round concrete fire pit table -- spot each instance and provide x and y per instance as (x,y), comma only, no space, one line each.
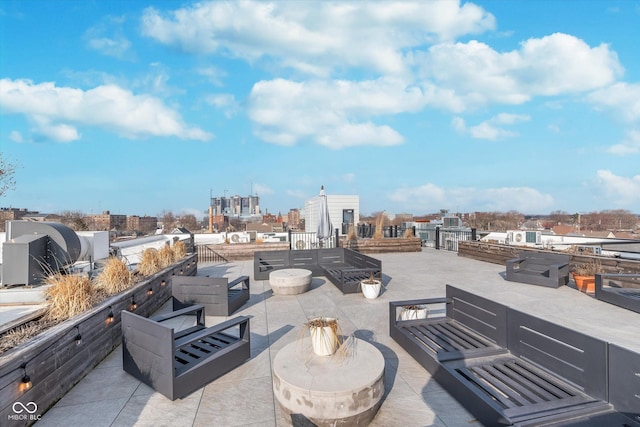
(343,389)
(290,281)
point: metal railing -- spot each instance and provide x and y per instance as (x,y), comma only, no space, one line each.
(448,239)
(299,240)
(367,231)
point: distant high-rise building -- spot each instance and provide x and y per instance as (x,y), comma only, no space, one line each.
(235,206)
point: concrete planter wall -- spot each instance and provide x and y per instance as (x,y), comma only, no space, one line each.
(56,359)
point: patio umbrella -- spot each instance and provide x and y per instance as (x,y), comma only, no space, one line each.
(325,228)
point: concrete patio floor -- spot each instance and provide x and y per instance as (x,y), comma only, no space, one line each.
(108,396)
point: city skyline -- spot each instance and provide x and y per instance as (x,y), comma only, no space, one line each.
(414,106)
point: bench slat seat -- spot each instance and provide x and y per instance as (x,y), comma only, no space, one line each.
(520,391)
(448,339)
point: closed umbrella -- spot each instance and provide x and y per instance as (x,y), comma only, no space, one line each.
(325,229)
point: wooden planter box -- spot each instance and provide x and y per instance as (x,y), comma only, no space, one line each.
(55,360)
(378,246)
(236,251)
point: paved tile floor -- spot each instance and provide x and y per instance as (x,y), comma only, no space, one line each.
(108,396)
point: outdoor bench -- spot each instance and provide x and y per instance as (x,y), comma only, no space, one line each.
(473,326)
(176,363)
(345,268)
(527,371)
(539,268)
(218,295)
(622,290)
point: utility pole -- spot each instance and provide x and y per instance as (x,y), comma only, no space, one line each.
(210,210)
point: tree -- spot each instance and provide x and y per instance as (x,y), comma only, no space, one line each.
(7,175)
(168,221)
(189,222)
(75,220)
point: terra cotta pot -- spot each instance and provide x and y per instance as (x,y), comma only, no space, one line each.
(585,284)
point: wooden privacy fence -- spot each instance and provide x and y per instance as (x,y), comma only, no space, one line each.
(499,254)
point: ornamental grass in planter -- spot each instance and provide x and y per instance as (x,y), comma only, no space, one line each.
(413,312)
(179,250)
(69,295)
(371,287)
(584,275)
(150,262)
(115,277)
(325,335)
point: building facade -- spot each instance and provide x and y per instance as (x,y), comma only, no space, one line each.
(144,224)
(107,222)
(343,210)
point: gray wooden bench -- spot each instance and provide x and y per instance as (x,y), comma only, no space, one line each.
(539,268)
(622,290)
(473,326)
(218,295)
(624,381)
(525,371)
(176,363)
(345,268)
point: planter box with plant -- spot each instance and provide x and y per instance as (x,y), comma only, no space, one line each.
(584,275)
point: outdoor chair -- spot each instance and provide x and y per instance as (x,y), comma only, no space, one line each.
(176,363)
(218,295)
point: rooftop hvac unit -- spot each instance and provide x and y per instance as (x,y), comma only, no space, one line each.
(238,237)
(524,238)
(36,249)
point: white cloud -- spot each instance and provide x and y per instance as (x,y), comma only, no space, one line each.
(213,74)
(314,37)
(107,38)
(56,132)
(630,144)
(489,129)
(298,194)
(621,190)
(225,102)
(335,114)
(16,136)
(552,65)
(431,196)
(56,111)
(623,99)
(262,189)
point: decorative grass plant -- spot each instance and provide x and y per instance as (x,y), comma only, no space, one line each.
(179,250)
(166,256)
(115,277)
(149,262)
(69,295)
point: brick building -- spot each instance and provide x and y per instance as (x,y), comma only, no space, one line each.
(107,222)
(144,224)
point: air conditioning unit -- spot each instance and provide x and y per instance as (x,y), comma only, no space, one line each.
(238,237)
(524,238)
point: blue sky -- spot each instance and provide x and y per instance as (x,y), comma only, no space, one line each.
(142,106)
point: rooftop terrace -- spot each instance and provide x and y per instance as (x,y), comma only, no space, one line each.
(109,397)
